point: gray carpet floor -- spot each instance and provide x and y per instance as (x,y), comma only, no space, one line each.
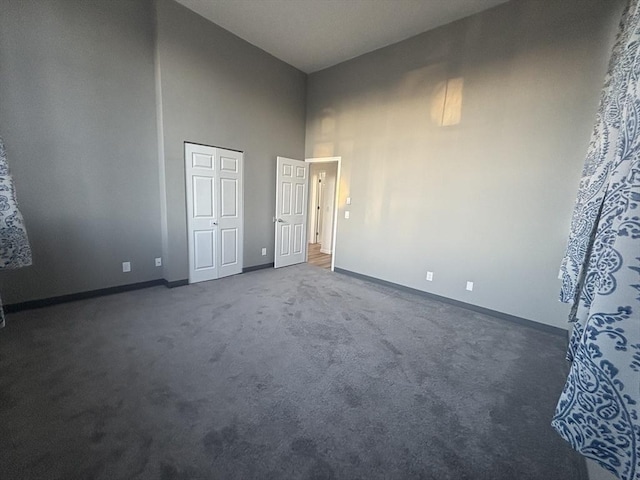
(296,373)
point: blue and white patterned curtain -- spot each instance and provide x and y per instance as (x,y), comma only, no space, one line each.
(599,409)
(15,251)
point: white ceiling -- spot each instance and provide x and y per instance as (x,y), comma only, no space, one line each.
(315,34)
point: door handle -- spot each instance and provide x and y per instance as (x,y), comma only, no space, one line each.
(213,223)
(279,220)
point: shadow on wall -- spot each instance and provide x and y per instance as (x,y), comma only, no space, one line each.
(446,104)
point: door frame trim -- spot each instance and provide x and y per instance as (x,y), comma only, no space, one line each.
(334,233)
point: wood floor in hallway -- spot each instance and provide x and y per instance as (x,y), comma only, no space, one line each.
(317,258)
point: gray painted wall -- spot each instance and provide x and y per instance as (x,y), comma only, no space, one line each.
(77,112)
(596,472)
(219,90)
(489,199)
(84,89)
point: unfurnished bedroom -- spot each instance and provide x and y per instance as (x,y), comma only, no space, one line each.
(319,239)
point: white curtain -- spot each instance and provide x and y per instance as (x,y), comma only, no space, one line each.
(15,251)
(598,412)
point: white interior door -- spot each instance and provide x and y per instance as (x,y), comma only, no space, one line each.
(314,210)
(230,215)
(326,204)
(214,212)
(292,181)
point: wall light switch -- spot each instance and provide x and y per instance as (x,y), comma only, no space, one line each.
(348,200)
(126,266)
(430,276)
(470,286)
(346,214)
(158,262)
(264,252)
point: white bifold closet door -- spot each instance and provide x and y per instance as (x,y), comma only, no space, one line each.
(214,211)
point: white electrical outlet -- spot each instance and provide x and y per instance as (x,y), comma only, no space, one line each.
(470,286)
(126,266)
(346,214)
(430,276)
(158,261)
(264,252)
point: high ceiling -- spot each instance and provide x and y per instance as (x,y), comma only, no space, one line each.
(315,34)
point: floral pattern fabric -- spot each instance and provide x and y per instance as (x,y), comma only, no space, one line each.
(15,251)
(598,411)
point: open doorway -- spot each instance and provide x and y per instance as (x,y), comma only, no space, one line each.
(324,175)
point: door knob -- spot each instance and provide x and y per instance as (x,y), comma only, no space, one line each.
(279,220)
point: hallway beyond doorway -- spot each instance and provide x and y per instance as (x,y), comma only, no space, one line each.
(317,258)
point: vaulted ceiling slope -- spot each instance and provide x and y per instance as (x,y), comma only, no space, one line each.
(316,34)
